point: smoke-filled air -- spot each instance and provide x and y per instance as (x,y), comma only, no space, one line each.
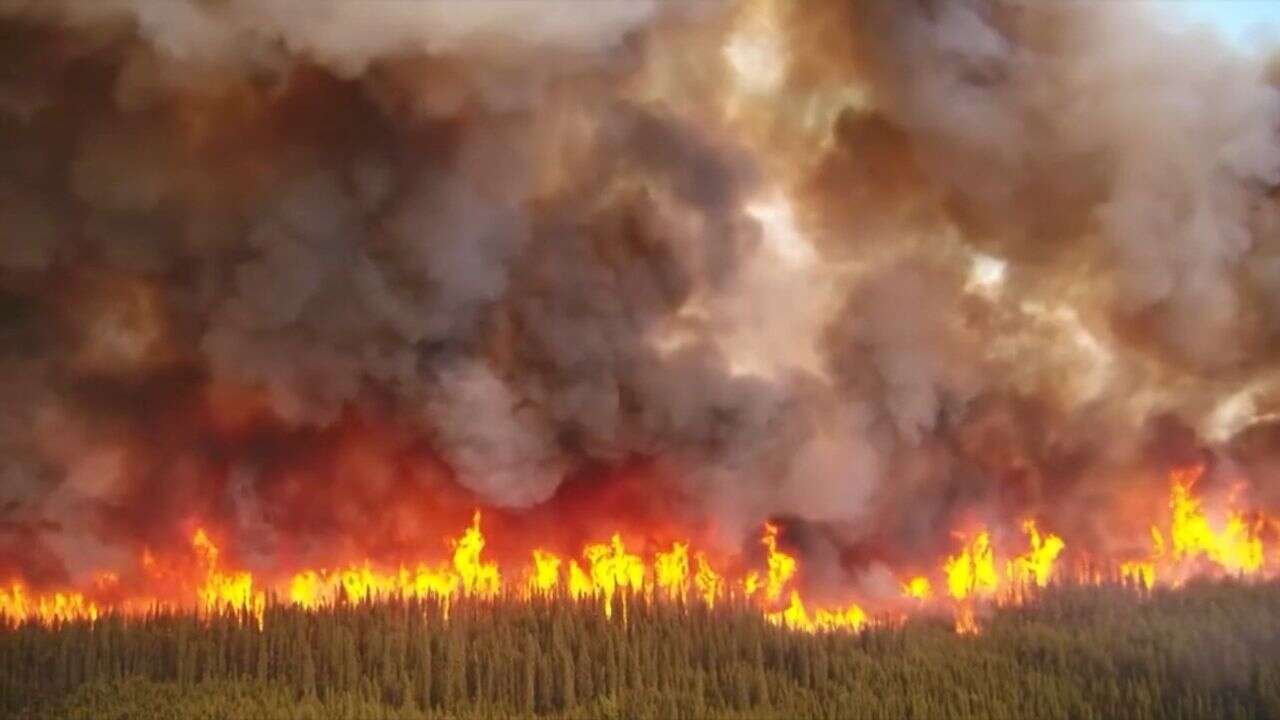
(867,304)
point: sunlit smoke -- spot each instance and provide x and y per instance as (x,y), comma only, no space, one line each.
(940,293)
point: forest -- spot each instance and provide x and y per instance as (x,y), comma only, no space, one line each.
(1205,650)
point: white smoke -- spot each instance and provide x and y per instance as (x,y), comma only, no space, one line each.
(541,240)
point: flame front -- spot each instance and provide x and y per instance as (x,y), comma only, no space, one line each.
(478,577)
(1033,568)
(17,606)
(671,569)
(781,565)
(608,573)
(973,570)
(1236,548)
(709,583)
(223,591)
(971,574)
(918,588)
(1193,543)
(545,577)
(612,567)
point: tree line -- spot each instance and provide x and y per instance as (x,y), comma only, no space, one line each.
(1206,651)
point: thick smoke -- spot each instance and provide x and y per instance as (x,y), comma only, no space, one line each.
(319,271)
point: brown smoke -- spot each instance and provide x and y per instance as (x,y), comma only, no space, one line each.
(319,271)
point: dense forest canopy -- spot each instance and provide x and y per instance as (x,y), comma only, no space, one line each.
(1204,652)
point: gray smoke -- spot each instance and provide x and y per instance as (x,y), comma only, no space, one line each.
(871,267)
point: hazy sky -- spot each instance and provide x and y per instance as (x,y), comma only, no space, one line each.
(1239,19)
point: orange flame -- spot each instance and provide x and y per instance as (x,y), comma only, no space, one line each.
(545,576)
(223,592)
(709,583)
(781,565)
(1235,548)
(918,588)
(1034,567)
(971,573)
(608,573)
(612,567)
(973,570)
(478,577)
(671,571)
(1139,572)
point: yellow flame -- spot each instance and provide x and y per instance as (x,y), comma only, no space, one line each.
(478,577)
(966,623)
(545,576)
(14,604)
(972,571)
(708,583)
(204,548)
(468,574)
(850,618)
(917,587)
(793,616)
(222,591)
(796,617)
(604,571)
(306,589)
(612,567)
(426,582)
(17,606)
(1035,566)
(1139,572)
(671,571)
(1235,548)
(580,585)
(781,565)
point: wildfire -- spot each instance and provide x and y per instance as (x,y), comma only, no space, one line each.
(973,570)
(612,567)
(795,617)
(17,605)
(1235,548)
(918,588)
(781,565)
(225,591)
(966,623)
(1192,540)
(545,577)
(1034,568)
(708,582)
(478,577)
(971,573)
(1139,572)
(580,585)
(608,573)
(468,575)
(671,569)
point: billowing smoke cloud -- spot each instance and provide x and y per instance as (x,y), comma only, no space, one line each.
(317,270)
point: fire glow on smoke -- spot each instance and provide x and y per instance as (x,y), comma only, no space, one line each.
(841,309)
(608,573)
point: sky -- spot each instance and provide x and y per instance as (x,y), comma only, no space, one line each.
(1238,19)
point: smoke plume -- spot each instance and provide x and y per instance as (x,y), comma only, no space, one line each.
(319,272)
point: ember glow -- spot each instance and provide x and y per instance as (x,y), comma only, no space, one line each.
(837,309)
(608,573)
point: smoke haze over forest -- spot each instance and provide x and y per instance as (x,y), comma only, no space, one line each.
(325,275)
